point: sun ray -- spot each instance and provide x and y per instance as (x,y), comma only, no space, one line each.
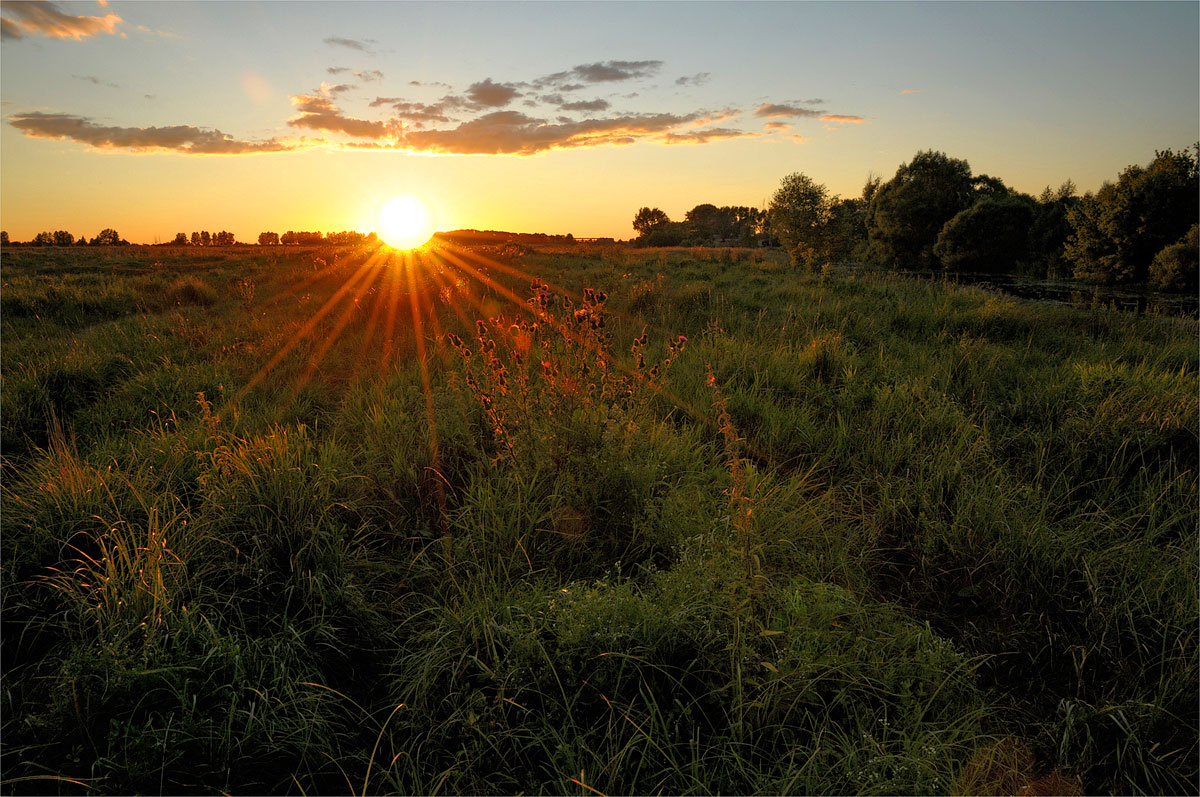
(427,389)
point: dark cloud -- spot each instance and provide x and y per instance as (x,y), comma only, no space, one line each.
(369,75)
(26,18)
(486,94)
(339,88)
(319,113)
(95,81)
(337,70)
(419,113)
(775,109)
(590,105)
(698,79)
(362,45)
(601,72)
(177,138)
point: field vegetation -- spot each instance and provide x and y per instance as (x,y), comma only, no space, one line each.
(587,520)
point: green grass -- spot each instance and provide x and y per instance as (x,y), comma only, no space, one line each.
(913,537)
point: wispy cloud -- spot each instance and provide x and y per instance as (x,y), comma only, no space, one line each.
(601,72)
(782,126)
(25,18)
(585,105)
(362,45)
(912,91)
(698,79)
(95,81)
(843,119)
(770,110)
(177,138)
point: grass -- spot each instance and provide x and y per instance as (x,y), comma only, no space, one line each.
(313,520)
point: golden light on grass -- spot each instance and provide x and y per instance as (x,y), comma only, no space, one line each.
(405,222)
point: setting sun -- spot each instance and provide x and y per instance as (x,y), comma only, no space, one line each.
(405,222)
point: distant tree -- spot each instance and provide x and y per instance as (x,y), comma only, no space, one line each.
(570,238)
(81,241)
(647,219)
(42,239)
(1117,232)
(268,239)
(1177,267)
(63,238)
(4,238)
(801,211)
(195,238)
(223,238)
(107,237)
(907,213)
(991,236)
(1049,231)
(180,239)
(205,238)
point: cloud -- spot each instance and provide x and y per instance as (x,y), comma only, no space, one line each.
(436,83)
(912,91)
(362,45)
(514,133)
(768,110)
(698,79)
(419,113)
(706,136)
(369,75)
(96,81)
(166,34)
(338,89)
(27,18)
(176,138)
(601,72)
(777,126)
(486,94)
(843,119)
(589,105)
(337,70)
(319,113)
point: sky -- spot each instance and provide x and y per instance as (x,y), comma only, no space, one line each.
(166,117)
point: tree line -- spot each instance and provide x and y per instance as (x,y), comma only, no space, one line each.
(106,237)
(110,237)
(936,215)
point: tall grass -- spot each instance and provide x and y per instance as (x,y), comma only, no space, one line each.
(616,522)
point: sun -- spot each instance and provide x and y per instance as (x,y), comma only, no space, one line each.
(405,222)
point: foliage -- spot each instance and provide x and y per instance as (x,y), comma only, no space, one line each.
(801,212)
(1177,267)
(991,237)
(1050,229)
(1117,232)
(908,212)
(108,237)
(646,219)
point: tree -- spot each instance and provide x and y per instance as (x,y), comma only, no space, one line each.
(180,239)
(1117,232)
(801,211)
(43,239)
(268,239)
(907,213)
(205,238)
(1177,267)
(81,241)
(647,219)
(195,238)
(63,238)
(991,237)
(107,237)
(1050,229)
(223,238)
(4,238)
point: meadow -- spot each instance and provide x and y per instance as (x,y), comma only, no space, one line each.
(587,521)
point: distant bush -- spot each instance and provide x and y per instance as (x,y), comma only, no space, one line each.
(1177,267)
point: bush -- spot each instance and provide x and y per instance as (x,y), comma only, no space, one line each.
(1177,267)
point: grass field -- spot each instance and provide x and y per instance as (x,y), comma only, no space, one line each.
(334,521)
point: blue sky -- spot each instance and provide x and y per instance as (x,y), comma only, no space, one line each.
(560,117)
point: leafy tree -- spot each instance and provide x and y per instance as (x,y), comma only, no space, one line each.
(801,211)
(1177,267)
(4,238)
(647,219)
(195,238)
(43,239)
(223,238)
(907,213)
(180,239)
(81,241)
(205,238)
(1117,232)
(989,237)
(268,239)
(706,224)
(63,238)
(1050,229)
(107,237)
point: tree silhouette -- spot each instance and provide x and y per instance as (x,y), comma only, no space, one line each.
(180,239)
(107,237)
(268,239)
(63,238)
